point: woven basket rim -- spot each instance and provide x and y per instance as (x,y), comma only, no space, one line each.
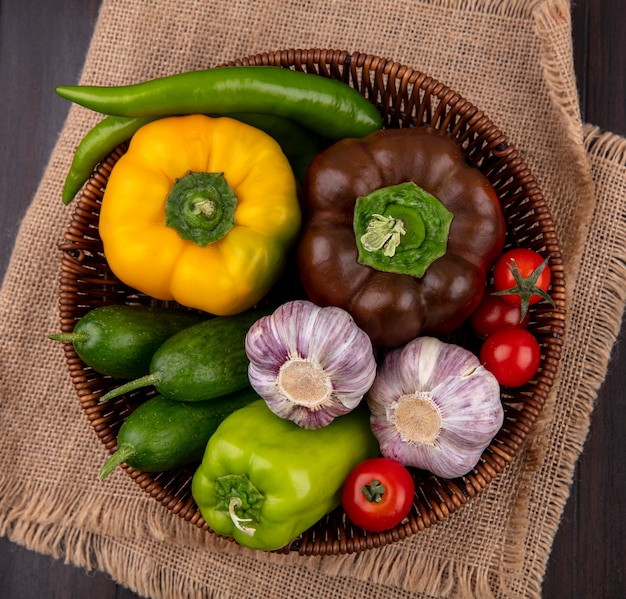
(406,97)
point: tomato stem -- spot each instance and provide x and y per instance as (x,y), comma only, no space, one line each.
(526,287)
(374,491)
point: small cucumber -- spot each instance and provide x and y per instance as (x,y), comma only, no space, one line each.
(162,434)
(120,340)
(204,361)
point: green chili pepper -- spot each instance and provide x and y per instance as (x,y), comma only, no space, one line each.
(94,147)
(327,106)
(298,144)
(264,480)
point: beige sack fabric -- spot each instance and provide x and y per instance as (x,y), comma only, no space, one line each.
(512,58)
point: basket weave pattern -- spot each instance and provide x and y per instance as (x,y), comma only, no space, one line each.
(405,97)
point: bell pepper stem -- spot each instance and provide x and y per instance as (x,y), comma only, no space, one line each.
(238,522)
(383,233)
(201,207)
(144,381)
(401,229)
(236,493)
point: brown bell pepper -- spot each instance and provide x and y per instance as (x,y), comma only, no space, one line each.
(400,231)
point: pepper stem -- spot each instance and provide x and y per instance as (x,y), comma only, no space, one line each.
(236,495)
(233,504)
(383,233)
(400,229)
(201,207)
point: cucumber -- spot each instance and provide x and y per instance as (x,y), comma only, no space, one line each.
(162,434)
(120,340)
(204,361)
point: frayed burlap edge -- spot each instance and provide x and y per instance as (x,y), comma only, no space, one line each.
(559,75)
(558,69)
(505,8)
(32,522)
(604,150)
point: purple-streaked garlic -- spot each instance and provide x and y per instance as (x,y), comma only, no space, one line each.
(310,364)
(435,407)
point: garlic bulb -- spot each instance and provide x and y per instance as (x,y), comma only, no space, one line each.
(435,407)
(310,364)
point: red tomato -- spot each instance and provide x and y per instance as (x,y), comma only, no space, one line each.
(512,355)
(378,494)
(524,273)
(494,313)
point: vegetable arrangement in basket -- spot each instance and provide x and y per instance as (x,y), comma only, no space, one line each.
(289,407)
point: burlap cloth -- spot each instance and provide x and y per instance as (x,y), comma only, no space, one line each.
(513,58)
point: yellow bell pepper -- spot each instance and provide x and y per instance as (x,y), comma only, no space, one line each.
(200,210)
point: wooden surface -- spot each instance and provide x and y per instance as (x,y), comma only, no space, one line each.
(44,43)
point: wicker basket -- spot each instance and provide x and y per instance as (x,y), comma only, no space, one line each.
(405,97)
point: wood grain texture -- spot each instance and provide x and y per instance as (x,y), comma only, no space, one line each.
(42,44)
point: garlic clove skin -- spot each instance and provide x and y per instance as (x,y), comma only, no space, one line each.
(310,364)
(435,407)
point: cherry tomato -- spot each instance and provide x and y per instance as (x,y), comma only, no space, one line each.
(494,313)
(512,355)
(525,275)
(378,494)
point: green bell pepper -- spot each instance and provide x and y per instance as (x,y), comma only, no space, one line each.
(264,480)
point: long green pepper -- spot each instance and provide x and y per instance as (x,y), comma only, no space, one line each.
(326,106)
(95,146)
